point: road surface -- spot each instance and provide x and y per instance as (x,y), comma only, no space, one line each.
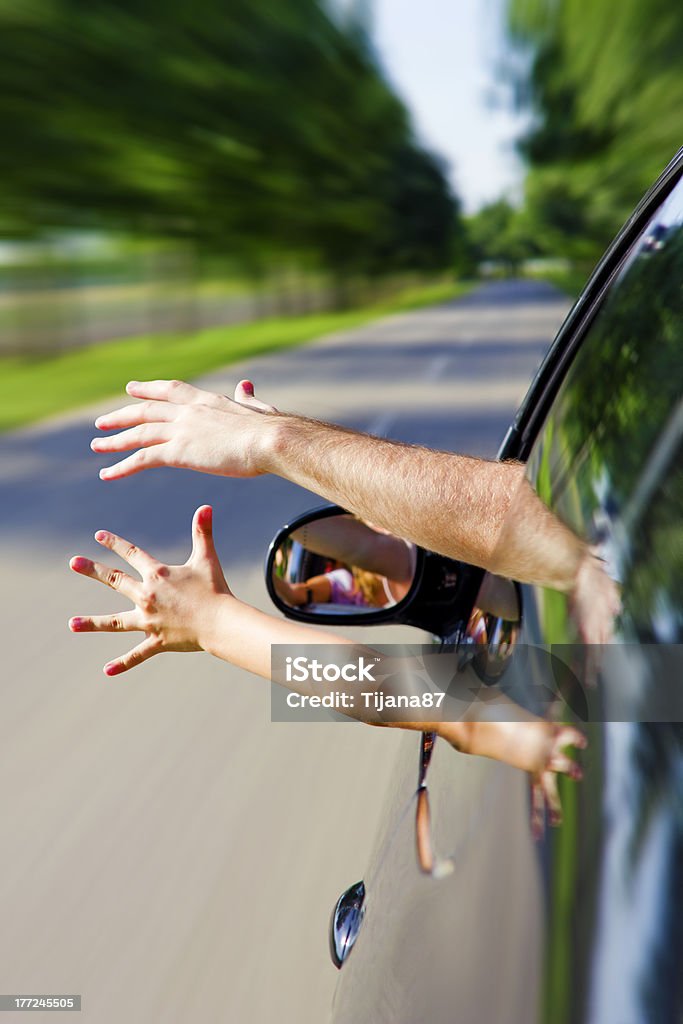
(167,851)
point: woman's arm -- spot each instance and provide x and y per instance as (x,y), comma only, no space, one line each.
(348,540)
(190,607)
(316,589)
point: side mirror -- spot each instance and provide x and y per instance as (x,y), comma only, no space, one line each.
(331,568)
(328,566)
(493,629)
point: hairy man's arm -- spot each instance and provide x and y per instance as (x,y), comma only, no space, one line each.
(469,509)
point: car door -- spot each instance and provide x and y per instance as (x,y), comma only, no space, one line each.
(609,462)
(504,930)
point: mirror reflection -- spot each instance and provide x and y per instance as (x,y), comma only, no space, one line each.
(340,564)
(493,627)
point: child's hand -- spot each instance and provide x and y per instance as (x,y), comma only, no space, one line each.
(175,605)
(537,746)
(544,791)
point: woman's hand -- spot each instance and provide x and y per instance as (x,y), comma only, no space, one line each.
(544,792)
(180,425)
(176,606)
(538,747)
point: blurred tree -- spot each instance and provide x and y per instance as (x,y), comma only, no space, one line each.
(502,234)
(252,127)
(605,84)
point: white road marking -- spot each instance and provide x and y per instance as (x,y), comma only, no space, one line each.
(379,427)
(436,367)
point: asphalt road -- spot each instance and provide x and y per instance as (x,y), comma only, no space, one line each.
(167,851)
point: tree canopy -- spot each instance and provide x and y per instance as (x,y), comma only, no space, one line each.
(251,125)
(605,85)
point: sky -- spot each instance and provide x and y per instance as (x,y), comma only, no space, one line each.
(441,57)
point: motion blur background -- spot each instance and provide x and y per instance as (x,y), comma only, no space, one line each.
(184,187)
(171,171)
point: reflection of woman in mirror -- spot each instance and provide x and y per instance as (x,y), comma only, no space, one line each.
(383,566)
(339,586)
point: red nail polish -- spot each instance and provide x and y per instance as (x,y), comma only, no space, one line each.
(248,387)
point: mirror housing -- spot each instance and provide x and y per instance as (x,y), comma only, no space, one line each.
(438,597)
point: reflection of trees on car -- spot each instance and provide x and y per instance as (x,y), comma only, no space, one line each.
(618,421)
(611,461)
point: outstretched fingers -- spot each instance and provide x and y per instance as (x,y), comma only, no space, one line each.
(244,395)
(142,652)
(202,533)
(144,458)
(134,415)
(123,622)
(177,392)
(560,759)
(544,795)
(537,809)
(129,552)
(544,789)
(551,796)
(113,578)
(143,436)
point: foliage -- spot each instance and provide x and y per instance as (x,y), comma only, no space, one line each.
(502,234)
(247,127)
(605,85)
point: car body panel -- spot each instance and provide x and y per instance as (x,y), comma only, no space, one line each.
(586,925)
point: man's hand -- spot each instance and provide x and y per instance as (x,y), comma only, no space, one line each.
(594,601)
(475,511)
(180,425)
(175,605)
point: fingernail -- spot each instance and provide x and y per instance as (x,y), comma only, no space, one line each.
(78,562)
(132,384)
(101,536)
(93,443)
(75,624)
(104,473)
(248,387)
(110,669)
(576,773)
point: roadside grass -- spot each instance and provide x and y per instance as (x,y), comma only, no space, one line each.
(571,281)
(32,388)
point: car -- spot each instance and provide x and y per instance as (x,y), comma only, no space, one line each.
(461,916)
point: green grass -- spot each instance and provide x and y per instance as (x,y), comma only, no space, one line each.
(571,281)
(33,388)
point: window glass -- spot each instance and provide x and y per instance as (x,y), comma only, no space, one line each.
(609,460)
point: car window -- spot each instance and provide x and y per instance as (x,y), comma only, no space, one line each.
(609,460)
